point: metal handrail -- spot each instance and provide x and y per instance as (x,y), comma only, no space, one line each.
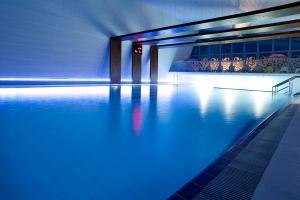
(275,88)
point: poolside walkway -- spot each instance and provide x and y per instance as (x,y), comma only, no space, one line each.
(281,179)
(262,168)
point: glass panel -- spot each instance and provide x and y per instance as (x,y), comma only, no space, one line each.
(214,49)
(250,55)
(203,57)
(251,47)
(240,55)
(215,56)
(264,55)
(237,47)
(295,43)
(281,44)
(226,48)
(195,51)
(265,45)
(226,56)
(204,50)
(194,57)
(296,54)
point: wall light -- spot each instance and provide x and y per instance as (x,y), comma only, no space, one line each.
(55,79)
(55,92)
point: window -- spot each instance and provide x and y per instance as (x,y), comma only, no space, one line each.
(251,47)
(226,48)
(295,43)
(226,56)
(204,50)
(250,56)
(195,51)
(203,57)
(264,55)
(237,47)
(281,44)
(194,56)
(214,49)
(296,54)
(238,55)
(215,56)
(265,45)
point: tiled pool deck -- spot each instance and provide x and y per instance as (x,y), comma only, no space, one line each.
(262,167)
(281,179)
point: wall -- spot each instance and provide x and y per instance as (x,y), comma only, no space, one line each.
(68,38)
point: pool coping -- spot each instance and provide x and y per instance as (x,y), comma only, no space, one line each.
(213,170)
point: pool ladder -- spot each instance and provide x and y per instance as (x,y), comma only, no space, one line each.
(287,84)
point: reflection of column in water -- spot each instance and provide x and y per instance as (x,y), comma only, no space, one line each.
(152,114)
(137,115)
(136,92)
(114,118)
(137,119)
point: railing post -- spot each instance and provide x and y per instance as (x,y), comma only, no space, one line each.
(290,81)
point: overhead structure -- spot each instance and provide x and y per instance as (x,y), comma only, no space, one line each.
(275,22)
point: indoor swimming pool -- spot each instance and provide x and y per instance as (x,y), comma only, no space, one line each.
(119,142)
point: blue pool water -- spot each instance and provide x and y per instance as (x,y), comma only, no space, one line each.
(116,142)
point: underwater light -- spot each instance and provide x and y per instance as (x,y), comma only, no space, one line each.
(56,79)
(55,92)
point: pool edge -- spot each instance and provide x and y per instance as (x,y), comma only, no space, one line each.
(191,189)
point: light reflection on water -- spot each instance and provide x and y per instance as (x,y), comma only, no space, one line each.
(229,103)
(204,97)
(146,141)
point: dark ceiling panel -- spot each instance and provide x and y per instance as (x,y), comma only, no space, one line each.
(248,38)
(193,27)
(246,30)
